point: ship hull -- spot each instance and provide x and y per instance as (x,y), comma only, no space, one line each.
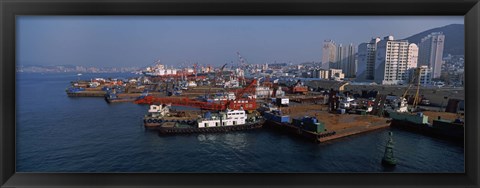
(289,128)
(155,124)
(117,100)
(221,129)
(453,133)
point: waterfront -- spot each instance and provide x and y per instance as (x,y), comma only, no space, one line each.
(56,133)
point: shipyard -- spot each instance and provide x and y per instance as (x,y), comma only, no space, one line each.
(241,94)
(243,97)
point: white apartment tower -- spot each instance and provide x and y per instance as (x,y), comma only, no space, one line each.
(366,60)
(391,61)
(431,52)
(412,56)
(328,54)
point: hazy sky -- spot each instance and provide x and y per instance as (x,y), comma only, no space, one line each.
(124,41)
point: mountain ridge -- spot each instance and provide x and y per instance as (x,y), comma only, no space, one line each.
(454,38)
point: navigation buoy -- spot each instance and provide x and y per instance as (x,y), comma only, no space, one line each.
(388,159)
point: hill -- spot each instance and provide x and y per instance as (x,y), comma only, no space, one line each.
(454,38)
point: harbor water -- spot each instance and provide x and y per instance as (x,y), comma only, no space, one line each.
(56,133)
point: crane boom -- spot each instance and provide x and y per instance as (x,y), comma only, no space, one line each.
(238,103)
(415,80)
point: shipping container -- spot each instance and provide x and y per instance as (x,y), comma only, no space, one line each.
(276,118)
(310,124)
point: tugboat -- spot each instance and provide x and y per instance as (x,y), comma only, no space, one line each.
(388,159)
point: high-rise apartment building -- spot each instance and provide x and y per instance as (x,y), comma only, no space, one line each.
(329,52)
(366,60)
(349,66)
(391,61)
(412,56)
(345,60)
(431,52)
(339,57)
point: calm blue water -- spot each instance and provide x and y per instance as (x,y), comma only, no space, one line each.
(56,133)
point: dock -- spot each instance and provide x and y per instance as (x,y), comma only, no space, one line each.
(87,94)
(337,125)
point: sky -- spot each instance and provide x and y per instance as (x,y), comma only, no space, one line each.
(138,41)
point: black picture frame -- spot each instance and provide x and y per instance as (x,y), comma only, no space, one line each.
(9,9)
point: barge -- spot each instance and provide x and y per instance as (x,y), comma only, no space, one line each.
(307,127)
(418,123)
(83,92)
(314,130)
(121,97)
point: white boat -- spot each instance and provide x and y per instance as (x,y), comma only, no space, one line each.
(228,118)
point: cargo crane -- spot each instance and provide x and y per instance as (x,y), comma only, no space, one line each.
(240,102)
(416,99)
(247,103)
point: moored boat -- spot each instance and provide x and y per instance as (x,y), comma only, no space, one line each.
(418,122)
(160,114)
(224,121)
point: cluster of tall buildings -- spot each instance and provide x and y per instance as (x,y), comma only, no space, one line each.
(387,61)
(339,57)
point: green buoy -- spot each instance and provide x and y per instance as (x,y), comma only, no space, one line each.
(388,159)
